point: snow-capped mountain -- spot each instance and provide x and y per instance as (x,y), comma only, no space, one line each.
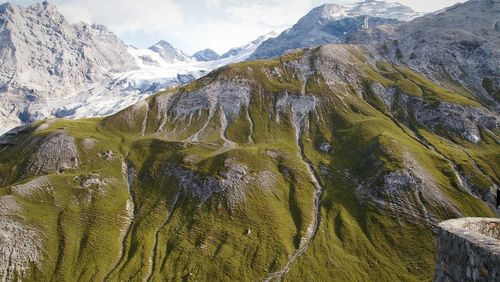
(244,52)
(155,73)
(168,52)
(206,55)
(51,68)
(331,23)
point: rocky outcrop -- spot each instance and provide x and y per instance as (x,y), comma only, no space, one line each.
(20,243)
(456,120)
(218,102)
(56,152)
(233,182)
(434,45)
(463,121)
(32,188)
(408,192)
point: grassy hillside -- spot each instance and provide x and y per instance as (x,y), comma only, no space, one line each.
(321,163)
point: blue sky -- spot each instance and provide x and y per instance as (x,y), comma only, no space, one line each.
(192,25)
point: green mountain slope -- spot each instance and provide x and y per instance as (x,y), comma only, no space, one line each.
(322,163)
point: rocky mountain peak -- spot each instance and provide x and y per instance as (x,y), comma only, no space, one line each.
(206,55)
(46,8)
(168,52)
(162,44)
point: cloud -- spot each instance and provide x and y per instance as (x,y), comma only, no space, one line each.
(213,3)
(272,13)
(123,16)
(222,24)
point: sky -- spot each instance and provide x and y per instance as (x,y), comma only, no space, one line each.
(192,25)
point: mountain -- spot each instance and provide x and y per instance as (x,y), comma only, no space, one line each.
(51,68)
(168,52)
(206,55)
(331,23)
(333,161)
(44,58)
(155,73)
(258,170)
(460,42)
(247,50)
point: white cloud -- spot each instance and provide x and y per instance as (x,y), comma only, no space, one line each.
(222,24)
(125,15)
(272,13)
(213,3)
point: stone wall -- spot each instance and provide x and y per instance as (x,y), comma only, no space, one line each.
(468,250)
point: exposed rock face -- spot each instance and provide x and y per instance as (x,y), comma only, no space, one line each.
(408,192)
(147,60)
(206,55)
(469,55)
(234,182)
(221,101)
(325,147)
(460,42)
(300,106)
(44,57)
(20,244)
(457,120)
(231,96)
(465,121)
(56,152)
(90,180)
(331,23)
(32,188)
